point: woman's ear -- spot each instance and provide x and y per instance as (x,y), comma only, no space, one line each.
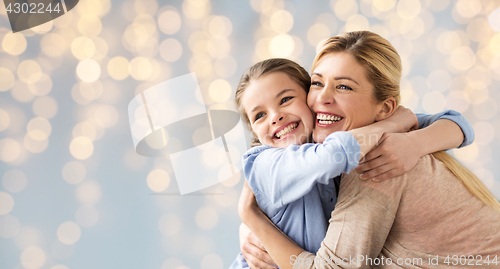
(387,109)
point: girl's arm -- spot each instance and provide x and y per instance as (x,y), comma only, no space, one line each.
(285,175)
(397,153)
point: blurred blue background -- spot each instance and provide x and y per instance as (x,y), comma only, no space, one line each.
(74,193)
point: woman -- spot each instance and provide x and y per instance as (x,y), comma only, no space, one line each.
(397,218)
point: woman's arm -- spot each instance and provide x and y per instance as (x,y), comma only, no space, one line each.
(285,175)
(359,226)
(397,153)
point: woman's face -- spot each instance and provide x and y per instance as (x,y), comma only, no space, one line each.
(277,110)
(340,95)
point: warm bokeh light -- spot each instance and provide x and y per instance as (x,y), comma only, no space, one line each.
(225,67)
(118,68)
(169,21)
(88,192)
(87,216)
(140,68)
(6,79)
(106,116)
(14,43)
(81,147)
(29,71)
(21,92)
(462,58)
(42,86)
(170,50)
(34,145)
(39,128)
(468,8)
(317,33)
(6,203)
(4,120)
(158,180)
(85,128)
(89,25)
(357,23)
(9,226)
(220,90)
(33,258)
(69,233)
(83,48)
(344,9)
(44,106)
(169,224)
(212,261)
(494,20)
(408,9)
(88,70)
(467,154)
(281,46)
(485,133)
(206,218)
(281,21)
(9,150)
(74,172)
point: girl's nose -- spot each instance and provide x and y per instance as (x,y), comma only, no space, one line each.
(277,117)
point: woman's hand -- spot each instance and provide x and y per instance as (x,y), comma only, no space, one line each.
(396,154)
(403,120)
(253,251)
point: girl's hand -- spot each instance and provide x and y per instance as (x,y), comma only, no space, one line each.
(401,121)
(253,251)
(396,154)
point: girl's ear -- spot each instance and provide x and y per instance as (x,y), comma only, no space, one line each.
(387,109)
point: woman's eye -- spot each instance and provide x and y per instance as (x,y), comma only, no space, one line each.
(344,87)
(316,83)
(259,115)
(286,99)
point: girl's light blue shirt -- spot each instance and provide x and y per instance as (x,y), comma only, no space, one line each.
(295,187)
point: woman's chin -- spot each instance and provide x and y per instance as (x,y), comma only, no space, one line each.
(320,133)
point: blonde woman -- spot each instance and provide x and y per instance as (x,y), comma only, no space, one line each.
(438,213)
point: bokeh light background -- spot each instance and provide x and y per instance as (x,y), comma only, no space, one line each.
(74,193)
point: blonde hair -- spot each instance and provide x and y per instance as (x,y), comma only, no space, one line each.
(296,72)
(471,181)
(376,54)
(383,66)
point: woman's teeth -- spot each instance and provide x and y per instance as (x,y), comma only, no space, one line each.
(287,129)
(327,119)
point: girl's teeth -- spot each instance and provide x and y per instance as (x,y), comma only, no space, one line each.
(286,130)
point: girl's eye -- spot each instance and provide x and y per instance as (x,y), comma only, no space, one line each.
(344,87)
(316,83)
(286,99)
(259,115)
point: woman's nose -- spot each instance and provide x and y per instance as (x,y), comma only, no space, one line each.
(325,97)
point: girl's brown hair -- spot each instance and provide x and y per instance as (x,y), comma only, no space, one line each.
(296,72)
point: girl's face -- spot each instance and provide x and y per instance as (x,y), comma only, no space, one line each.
(277,110)
(340,95)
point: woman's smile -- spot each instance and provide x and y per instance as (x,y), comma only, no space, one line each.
(324,119)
